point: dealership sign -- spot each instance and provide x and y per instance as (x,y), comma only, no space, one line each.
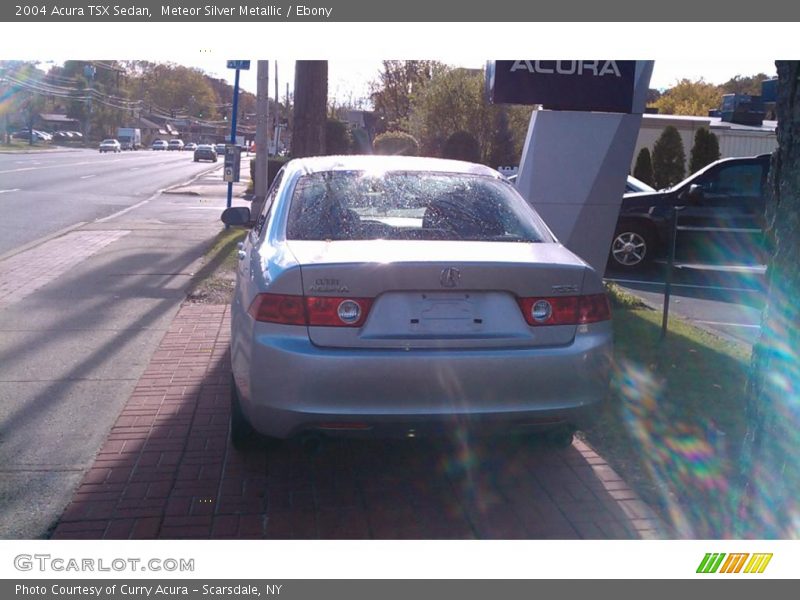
(585,85)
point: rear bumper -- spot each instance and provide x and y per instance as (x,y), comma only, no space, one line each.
(288,386)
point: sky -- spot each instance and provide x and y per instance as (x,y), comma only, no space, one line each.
(348,78)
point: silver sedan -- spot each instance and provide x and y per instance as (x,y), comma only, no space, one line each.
(397,296)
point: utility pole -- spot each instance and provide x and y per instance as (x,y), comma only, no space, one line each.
(262,138)
(277,118)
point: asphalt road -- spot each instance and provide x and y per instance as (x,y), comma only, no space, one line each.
(725,298)
(46,192)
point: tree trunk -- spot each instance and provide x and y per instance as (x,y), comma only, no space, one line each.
(768,506)
(310,107)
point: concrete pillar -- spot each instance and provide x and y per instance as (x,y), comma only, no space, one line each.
(573,170)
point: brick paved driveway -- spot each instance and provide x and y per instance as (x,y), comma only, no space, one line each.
(168,471)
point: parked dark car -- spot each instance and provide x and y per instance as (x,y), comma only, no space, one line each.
(720,217)
(205,152)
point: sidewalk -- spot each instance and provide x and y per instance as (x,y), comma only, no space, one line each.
(167,470)
(81,313)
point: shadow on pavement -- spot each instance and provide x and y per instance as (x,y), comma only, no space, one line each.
(167,470)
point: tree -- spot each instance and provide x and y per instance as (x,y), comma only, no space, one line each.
(769,468)
(338,139)
(453,101)
(395,143)
(462,145)
(643,170)
(396,88)
(669,158)
(741,84)
(502,151)
(310,107)
(688,97)
(704,151)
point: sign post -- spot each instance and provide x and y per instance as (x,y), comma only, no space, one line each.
(229,150)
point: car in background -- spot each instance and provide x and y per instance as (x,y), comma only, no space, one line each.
(205,152)
(110,145)
(190,146)
(38,136)
(720,218)
(633,185)
(425,296)
(159,145)
(175,145)
(220,148)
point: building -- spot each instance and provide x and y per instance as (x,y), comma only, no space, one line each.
(734,139)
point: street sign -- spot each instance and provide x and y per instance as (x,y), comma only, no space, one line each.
(233,157)
(244,65)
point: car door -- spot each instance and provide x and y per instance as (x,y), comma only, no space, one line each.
(248,255)
(723,218)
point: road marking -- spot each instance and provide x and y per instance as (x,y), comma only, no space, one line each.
(135,169)
(685,285)
(728,229)
(125,210)
(87,176)
(728,324)
(61,165)
(7,191)
(20,170)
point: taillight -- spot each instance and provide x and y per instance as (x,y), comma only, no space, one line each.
(278,308)
(594,308)
(565,310)
(337,312)
(287,309)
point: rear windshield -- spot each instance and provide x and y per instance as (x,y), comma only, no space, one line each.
(354,205)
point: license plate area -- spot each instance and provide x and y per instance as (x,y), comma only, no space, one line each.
(445,314)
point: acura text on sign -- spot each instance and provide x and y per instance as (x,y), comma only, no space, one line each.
(585,85)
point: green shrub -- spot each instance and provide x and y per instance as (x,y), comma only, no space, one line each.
(704,151)
(462,145)
(396,143)
(338,139)
(274,165)
(643,171)
(669,158)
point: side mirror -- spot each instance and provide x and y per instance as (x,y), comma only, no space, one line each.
(236,216)
(695,192)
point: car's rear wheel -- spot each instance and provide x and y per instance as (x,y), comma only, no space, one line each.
(631,246)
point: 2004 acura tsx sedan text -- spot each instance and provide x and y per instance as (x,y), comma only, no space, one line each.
(399,296)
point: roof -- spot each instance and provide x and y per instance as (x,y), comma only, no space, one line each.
(57,118)
(389,163)
(712,122)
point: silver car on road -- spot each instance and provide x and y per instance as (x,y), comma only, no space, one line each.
(405,296)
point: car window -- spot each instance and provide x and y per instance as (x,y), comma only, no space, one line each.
(271,194)
(347,205)
(735,180)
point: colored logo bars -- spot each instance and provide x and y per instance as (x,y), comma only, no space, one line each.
(734,563)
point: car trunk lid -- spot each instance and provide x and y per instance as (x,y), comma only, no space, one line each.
(439,294)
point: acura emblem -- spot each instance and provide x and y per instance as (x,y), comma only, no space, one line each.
(449,277)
